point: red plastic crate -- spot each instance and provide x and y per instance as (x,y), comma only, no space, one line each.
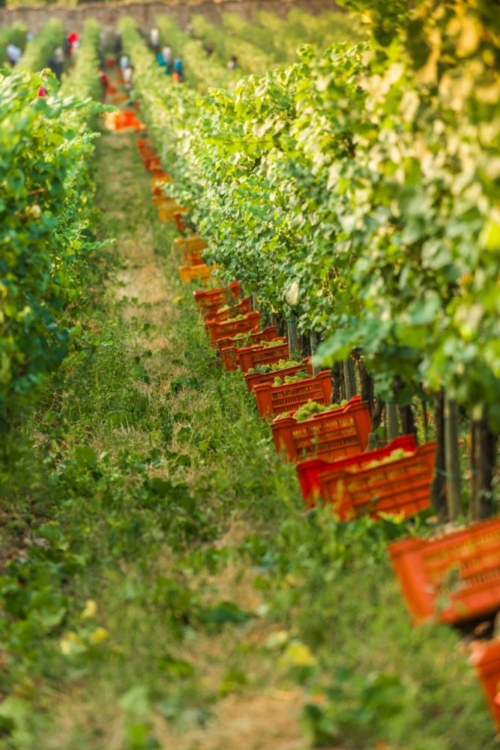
(229,347)
(257,378)
(210,300)
(158,173)
(152,163)
(144,143)
(331,435)
(228,328)
(486,659)
(272,401)
(180,224)
(454,578)
(309,471)
(250,357)
(401,487)
(192,257)
(239,308)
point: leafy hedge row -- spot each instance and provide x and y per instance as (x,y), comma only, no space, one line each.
(15,34)
(280,38)
(252,58)
(201,71)
(84,77)
(41,48)
(45,211)
(359,191)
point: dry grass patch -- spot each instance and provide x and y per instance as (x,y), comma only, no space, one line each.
(260,721)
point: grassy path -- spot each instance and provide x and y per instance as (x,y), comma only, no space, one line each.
(164,451)
(169,591)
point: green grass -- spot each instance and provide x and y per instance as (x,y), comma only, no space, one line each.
(163,586)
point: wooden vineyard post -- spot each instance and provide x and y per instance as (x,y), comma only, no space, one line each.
(293,338)
(452,452)
(391,412)
(438,486)
(483,460)
(349,379)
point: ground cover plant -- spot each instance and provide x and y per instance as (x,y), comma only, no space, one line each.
(46,212)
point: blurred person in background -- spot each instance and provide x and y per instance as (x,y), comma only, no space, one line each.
(104,81)
(233,63)
(56,63)
(117,45)
(154,38)
(128,76)
(167,60)
(124,63)
(178,73)
(14,54)
(72,42)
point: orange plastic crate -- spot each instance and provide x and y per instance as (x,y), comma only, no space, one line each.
(454,578)
(229,347)
(309,471)
(122,120)
(331,435)
(288,398)
(400,487)
(164,201)
(486,659)
(257,378)
(169,213)
(201,272)
(228,328)
(211,299)
(189,244)
(191,248)
(158,182)
(239,308)
(250,357)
